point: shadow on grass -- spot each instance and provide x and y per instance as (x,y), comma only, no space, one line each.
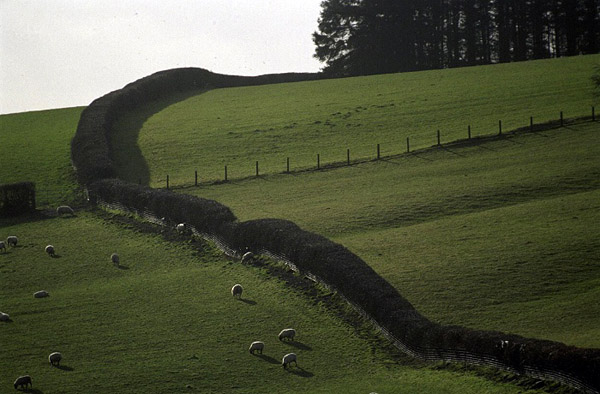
(246,301)
(64,368)
(300,372)
(30,390)
(127,155)
(266,358)
(35,216)
(298,345)
(123,267)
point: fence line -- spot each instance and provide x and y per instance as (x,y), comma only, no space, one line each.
(431,354)
(552,124)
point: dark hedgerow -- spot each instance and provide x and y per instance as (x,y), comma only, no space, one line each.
(17,198)
(205,215)
(331,262)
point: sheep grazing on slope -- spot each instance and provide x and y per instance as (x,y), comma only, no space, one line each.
(180,228)
(257,346)
(55,358)
(4,316)
(247,257)
(41,294)
(288,359)
(23,381)
(287,333)
(236,291)
(115,259)
(65,210)
(2,246)
(50,250)
(12,240)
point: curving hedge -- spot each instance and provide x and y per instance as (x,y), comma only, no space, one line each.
(311,253)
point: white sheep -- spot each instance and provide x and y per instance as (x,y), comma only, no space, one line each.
(180,228)
(236,290)
(41,294)
(247,257)
(50,250)
(2,246)
(257,346)
(115,259)
(23,381)
(4,316)
(12,240)
(288,333)
(65,210)
(288,359)
(54,358)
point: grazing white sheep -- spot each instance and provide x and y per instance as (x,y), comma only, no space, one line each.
(65,210)
(41,294)
(3,246)
(50,250)
(247,257)
(4,316)
(288,333)
(12,240)
(23,381)
(236,290)
(115,259)
(257,346)
(288,359)
(55,358)
(180,228)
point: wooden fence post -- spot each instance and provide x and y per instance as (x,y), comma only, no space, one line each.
(256,167)
(438,138)
(167,181)
(531,123)
(407,145)
(499,127)
(348,156)
(469,131)
(378,152)
(196,178)
(225,172)
(288,165)
(593,114)
(561,119)
(318,161)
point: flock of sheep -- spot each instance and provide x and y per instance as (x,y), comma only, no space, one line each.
(55,357)
(286,333)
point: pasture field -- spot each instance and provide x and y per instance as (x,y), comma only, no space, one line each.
(166,322)
(501,235)
(36,147)
(236,127)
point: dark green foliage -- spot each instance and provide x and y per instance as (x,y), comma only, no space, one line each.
(205,215)
(17,198)
(359,37)
(90,149)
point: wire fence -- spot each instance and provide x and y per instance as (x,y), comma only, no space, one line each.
(196,179)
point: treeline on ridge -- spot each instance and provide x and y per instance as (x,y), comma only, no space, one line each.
(360,37)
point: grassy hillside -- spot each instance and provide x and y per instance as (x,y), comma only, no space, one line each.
(166,321)
(479,236)
(239,126)
(36,147)
(501,235)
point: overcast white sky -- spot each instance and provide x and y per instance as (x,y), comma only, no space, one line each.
(64,53)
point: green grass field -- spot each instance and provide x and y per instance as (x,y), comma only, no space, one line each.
(500,235)
(166,321)
(44,137)
(239,126)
